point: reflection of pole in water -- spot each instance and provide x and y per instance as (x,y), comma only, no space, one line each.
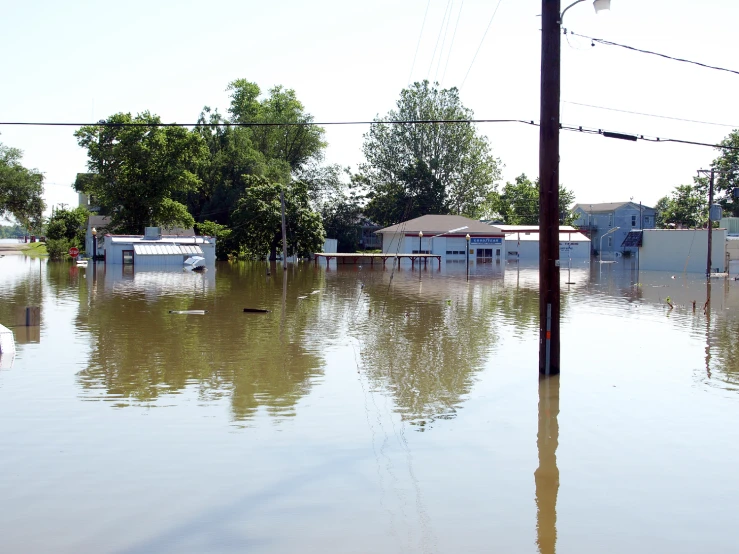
(546,476)
(707,311)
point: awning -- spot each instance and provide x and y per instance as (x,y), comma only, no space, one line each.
(166,249)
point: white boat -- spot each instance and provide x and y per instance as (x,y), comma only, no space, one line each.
(82,263)
(195,263)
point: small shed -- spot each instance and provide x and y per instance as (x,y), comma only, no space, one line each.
(162,251)
(522,243)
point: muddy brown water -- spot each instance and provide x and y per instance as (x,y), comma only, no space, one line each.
(369,410)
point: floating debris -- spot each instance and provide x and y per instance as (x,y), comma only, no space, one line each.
(189,312)
(255,311)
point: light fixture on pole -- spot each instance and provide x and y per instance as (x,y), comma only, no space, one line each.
(467,250)
(94,233)
(420,236)
(445,233)
(600,252)
(549,122)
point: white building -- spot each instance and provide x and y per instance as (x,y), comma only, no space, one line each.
(522,243)
(154,249)
(445,235)
(682,250)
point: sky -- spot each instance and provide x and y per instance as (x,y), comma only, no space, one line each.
(82,61)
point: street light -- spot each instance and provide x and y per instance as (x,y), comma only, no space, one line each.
(600,252)
(420,236)
(94,244)
(549,122)
(445,233)
(467,251)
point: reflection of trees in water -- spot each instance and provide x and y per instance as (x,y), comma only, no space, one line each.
(426,352)
(141,351)
(724,345)
(21,292)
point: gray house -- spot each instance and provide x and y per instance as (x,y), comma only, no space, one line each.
(596,220)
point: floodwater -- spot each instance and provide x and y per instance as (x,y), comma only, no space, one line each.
(370,411)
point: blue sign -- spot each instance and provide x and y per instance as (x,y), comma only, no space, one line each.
(486,240)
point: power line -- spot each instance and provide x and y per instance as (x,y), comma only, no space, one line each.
(443,41)
(413,65)
(441,29)
(449,55)
(651,114)
(567,127)
(480,46)
(609,43)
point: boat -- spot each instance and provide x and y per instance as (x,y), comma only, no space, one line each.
(81,263)
(195,263)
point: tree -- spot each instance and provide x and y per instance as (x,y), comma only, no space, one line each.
(21,189)
(231,156)
(297,143)
(403,159)
(142,171)
(686,207)
(223,235)
(727,166)
(68,224)
(257,223)
(519,203)
(661,208)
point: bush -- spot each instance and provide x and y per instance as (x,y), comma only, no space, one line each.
(58,248)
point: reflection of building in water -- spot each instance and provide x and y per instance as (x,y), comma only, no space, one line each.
(546,476)
(156,281)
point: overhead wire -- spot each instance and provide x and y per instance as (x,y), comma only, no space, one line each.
(420,35)
(441,29)
(480,45)
(651,114)
(443,40)
(605,42)
(451,45)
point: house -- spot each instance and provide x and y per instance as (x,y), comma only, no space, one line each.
(101,224)
(156,249)
(445,235)
(598,221)
(522,242)
(682,250)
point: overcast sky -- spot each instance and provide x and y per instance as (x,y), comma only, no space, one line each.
(82,61)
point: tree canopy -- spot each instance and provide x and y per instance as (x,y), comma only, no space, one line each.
(685,207)
(518,204)
(414,169)
(141,173)
(727,166)
(21,189)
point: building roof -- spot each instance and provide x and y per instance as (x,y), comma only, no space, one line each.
(438,224)
(102,223)
(606,207)
(149,249)
(529,228)
(563,237)
(140,239)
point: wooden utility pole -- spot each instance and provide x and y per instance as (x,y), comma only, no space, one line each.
(284,231)
(549,189)
(710,226)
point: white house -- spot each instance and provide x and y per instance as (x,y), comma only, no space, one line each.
(153,249)
(682,250)
(445,235)
(522,243)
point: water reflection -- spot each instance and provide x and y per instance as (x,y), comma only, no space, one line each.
(546,476)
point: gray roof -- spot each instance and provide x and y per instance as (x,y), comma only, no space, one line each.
(436,224)
(606,206)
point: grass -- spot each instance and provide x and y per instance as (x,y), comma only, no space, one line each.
(35,250)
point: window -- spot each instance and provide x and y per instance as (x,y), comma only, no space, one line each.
(646,220)
(128,257)
(610,242)
(610,220)
(633,221)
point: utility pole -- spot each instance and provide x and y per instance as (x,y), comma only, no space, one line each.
(284,230)
(710,226)
(549,297)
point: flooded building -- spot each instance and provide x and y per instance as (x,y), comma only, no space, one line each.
(156,249)
(522,242)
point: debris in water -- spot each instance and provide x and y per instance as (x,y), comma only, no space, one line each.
(255,311)
(189,312)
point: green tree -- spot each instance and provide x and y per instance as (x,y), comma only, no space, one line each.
(727,167)
(68,224)
(661,208)
(403,157)
(231,156)
(297,143)
(257,222)
(21,189)
(225,244)
(686,207)
(142,171)
(519,202)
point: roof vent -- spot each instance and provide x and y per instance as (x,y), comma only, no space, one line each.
(152,233)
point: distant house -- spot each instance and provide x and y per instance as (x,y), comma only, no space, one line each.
(445,235)
(101,224)
(596,220)
(522,242)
